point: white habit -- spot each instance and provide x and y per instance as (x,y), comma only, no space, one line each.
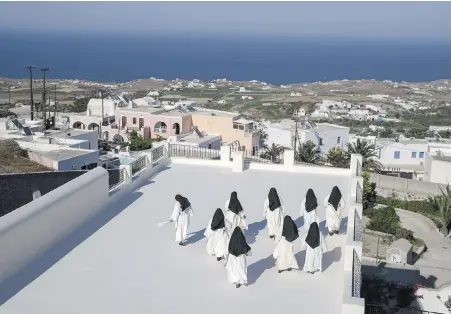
(274,219)
(233,219)
(309,217)
(314,257)
(284,253)
(237,269)
(217,241)
(181,221)
(333,217)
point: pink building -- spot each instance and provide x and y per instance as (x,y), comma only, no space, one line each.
(149,122)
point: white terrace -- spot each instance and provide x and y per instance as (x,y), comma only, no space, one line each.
(93,246)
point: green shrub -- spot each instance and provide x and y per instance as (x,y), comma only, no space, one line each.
(384,220)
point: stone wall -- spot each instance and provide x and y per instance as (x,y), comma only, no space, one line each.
(17,189)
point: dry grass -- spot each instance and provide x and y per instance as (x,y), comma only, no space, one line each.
(20,165)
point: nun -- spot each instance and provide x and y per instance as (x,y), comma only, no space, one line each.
(283,252)
(334,205)
(308,209)
(315,246)
(236,264)
(217,236)
(181,217)
(273,212)
(235,215)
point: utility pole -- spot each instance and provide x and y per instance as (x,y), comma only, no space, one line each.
(296,119)
(9,94)
(55,104)
(44,98)
(30,69)
(101,122)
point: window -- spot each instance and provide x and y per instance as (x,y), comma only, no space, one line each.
(339,140)
(141,123)
(321,142)
(238,126)
(134,120)
(397,154)
(414,154)
(209,146)
(124,121)
(421,155)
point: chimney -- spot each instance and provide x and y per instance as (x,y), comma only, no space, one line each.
(130,104)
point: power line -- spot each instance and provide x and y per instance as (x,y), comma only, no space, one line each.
(30,69)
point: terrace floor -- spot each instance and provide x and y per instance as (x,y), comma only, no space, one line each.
(131,266)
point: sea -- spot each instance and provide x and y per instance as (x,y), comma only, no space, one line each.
(275,60)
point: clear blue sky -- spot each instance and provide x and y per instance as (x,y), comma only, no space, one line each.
(409,20)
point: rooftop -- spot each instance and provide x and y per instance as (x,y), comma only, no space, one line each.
(61,153)
(441,158)
(130,266)
(215,113)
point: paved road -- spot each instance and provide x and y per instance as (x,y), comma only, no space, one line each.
(436,261)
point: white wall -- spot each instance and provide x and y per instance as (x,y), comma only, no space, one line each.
(437,171)
(405,153)
(29,231)
(279,136)
(330,138)
(75,163)
(92,137)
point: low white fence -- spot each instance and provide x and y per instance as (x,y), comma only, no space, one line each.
(407,185)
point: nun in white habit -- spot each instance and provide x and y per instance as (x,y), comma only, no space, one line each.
(334,205)
(315,246)
(181,217)
(308,209)
(217,236)
(273,212)
(284,248)
(235,215)
(236,264)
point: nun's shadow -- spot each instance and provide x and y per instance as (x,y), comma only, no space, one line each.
(195,236)
(299,222)
(300,258)
(257,269)
(253,230)
(330,257)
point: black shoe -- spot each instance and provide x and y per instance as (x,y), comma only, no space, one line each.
(280,271)
(238,285)
(218,258)
(289,269)
(331,233)
(271,237)
(337,232)
(182,243)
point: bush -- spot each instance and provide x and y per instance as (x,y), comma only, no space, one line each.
(387,221)
(10,148)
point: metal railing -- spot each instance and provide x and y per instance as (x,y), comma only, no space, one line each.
(262,157)
(359,194)
(358,171)
(193,152)
(356,276)
(157,154)
(321,160)
(138,165)
(379,309)
(358,227)
(116,177)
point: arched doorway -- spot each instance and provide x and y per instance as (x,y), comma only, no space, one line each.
(79,125)
(94,126)
(117,138)
(160,127)
(105,136)
(176,128)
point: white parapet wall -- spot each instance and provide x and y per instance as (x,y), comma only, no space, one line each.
(31,230)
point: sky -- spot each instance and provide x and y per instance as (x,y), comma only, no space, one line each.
(391,20)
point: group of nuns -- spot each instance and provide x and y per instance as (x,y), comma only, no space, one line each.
(225,238)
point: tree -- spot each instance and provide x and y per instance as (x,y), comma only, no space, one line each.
(369,192)
(338,158)
(273,153)
(368,153)
(308,152)
(442,204)
(261,129)
(137,142)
